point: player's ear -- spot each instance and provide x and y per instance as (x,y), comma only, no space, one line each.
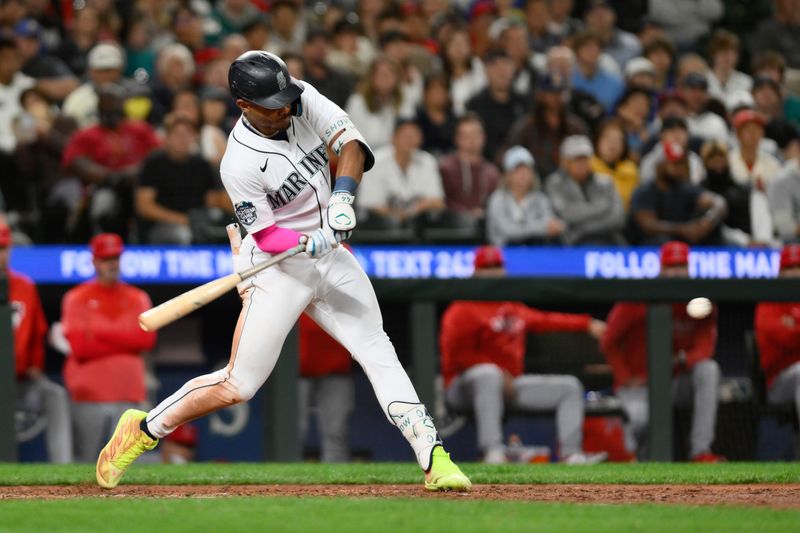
(242,104)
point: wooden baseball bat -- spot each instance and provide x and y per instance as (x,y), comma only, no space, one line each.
(183,304)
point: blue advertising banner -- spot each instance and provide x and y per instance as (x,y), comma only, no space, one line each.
(177,265)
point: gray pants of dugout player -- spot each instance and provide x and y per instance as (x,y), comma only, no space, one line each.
(331,399)
(480,389)
(698,388)
(786,388)
(94,424)
(52,401)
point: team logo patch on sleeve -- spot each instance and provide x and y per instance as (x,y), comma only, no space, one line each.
(246,213)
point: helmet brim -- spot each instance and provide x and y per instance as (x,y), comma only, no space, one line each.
(282,98)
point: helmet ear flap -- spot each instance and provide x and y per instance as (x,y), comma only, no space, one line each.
(297,108)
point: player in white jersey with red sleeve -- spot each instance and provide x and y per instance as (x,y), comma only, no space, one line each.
(276,172)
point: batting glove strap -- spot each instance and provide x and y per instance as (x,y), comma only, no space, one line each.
(319,243)
(341,216)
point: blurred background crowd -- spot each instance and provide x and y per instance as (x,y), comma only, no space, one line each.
(509,122)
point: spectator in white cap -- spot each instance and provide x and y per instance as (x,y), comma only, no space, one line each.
(640,72)
(587,202)
(106,63)
(518,212)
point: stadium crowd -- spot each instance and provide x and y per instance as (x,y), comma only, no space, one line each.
(538,121)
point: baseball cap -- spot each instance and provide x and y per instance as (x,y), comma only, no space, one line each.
(516,156)
(696,80)
(553,83)
(790,256)
(28,28)
(488,257)
(746,116)
(5,236)
(576,146)
(674,253)
(106,245)
(105,56)
(639,65)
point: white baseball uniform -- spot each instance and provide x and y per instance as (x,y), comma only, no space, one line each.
(288,183)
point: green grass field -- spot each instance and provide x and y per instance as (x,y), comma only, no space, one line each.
(387,514)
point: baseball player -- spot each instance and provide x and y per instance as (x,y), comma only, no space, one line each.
(276,172)
(777,326)
(483,355)
(696,373)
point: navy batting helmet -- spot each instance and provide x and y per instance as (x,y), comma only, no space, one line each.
(262,78)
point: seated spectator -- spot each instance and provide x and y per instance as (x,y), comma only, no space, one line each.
(755,168)
(378,104)
(674,131)
(537,14)
(395,44)
(634,111)
(771,65)
(105,64)
(468,178)
(352,52)
(330,82)
(104,372)
(435,117)
(325,388)
(784,203)
(542,130)
(672,208)
(518,212)
(768,100)
(34,391)
(513,39)
(641,72)
(175,68)
(601,18)
(686,21)
(780,33)
(107,157)
(661,52)
(612,158)
(587,202)
(81,36)
(53,77)
(777,328)
(172,182)
(405,181)
(702,122)
(465,72)
(561,23)
(737,226)
(724,81)
(12,84)
(289,25)
(43,198)
(497,105)
(589,77)
(696,374)
(233,15)
(213,134)
(487,377)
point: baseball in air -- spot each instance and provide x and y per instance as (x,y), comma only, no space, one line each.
(699,308)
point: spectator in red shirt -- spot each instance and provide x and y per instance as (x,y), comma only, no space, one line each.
(326,387)
(777,327)
(695,373)
(483,351)
(467,177)
(107,157)
(104,372)
(36,395)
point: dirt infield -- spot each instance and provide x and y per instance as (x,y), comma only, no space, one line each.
(786,496)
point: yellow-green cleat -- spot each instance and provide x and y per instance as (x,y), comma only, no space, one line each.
(127,443)
(444,474)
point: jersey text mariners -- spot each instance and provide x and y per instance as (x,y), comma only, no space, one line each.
(284,182)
